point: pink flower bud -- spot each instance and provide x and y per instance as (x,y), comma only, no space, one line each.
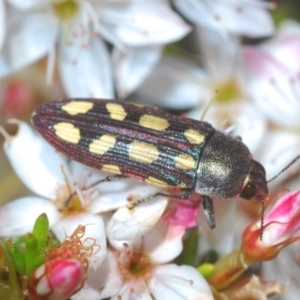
(57,279)
(281,227)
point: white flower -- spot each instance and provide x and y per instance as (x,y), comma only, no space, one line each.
(136,29)
(141,269)
(188,85)
(230,17)
(274,68)
(64,193)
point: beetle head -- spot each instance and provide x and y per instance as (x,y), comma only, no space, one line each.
(255,185)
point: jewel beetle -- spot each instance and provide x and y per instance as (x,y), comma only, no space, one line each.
(157,147)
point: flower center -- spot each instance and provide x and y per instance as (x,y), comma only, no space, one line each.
(138,265)
(65,9)
(134,264)
(68,202)
(72,206)
(229,91)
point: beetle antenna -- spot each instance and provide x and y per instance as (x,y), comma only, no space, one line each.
(262,219)
(209,105)
(285,168)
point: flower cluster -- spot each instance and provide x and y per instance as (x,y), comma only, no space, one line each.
(70,231)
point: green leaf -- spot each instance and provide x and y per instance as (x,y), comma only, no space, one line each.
(17,255)
(188,255)
(40,231)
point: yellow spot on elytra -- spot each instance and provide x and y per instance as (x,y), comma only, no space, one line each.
(67,132)
(116,111)
(112,169)
(103,144)
(194,137)
(153,181)
(143,153)
(153,122)
(184,162)
(77,107)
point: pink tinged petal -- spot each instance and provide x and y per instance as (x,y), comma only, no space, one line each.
(102,282)
(183,214)
(26,4)
(174,83)
(94,232)
(281,228)
(35,33)
(86,69)
(133,65)
(164,241)
(63,278)
(274,88)
(178,283)
(127,224)
(2,23)
(285,46)
(36,163)
(285,215)
(146,23)
(18,217)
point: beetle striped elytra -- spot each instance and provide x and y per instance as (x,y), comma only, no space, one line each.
(154,146)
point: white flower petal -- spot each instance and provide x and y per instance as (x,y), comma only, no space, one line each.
(26,4)
(144,23)
(246,121)
(132,66)
(86,70)
(117,193)
(133,289)
(94,230)
(178,283)
(2,23)
(222,238)
(196,12)
(176,84)
(281,147)
(221,62)
(18,217)
(163,242)
(128,224)
(36,163)
(250,125)
(36,32)
(103,282)
(86,292)
(235,17)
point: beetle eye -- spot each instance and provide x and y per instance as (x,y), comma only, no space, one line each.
(249,191)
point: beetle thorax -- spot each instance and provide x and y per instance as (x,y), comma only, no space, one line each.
(223,167)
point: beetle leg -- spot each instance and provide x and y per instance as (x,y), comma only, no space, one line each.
(208,210)
(185,194)
(106,179)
